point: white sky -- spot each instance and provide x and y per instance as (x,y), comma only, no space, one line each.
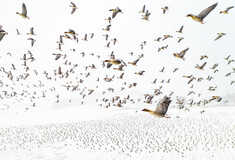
(51,19)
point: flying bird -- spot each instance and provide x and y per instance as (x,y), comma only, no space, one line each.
(24,12)
(115,12)
(200,67)
(226,10)
(181,54)
(74,7)
(219,36)
(143,10)
(2,33)
(164,9)
(203,14)
(180,30)
(31,32)
(161,108)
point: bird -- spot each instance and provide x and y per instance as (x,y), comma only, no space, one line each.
(203,56)
(120,67)
(164,9)
(226,10)
(107,28)
(219,36)
(134,62)
(32,41)
(180,39)
(143,10)
(181,54)
(108,19)
(227,57)
(31,32)
(24,12)
(161,108)
(115,12)
(200,17)
(115,61)
(60,41)
(17,32)
(74,7)
(200,67)
(85,38)
(180,30)
(140,72)
(2,33)
(146,15)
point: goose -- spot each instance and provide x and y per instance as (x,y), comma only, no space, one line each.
(24,12)
(161,108)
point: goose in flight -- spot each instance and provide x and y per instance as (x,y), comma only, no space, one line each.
(74,7)
(180,30)
(115,12)
(219,36)
(24,12)
(2,33)
(115,61)
(203,14)
(181,54)
(31,32)
(143,10)
(161,108)
(226,10)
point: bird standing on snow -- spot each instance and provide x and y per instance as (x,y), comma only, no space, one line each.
(203,14)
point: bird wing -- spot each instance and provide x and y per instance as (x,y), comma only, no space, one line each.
(182,53)
(163,105)
(32,42)
(31,30)
(206,11)
(73,10)
(181,28)
(85,37)
(17,31)
(227,9)
(73,4)
(1,36)
(114,14)
(109,65)
(218,37)
(24,10)
(143,9)
(203,65)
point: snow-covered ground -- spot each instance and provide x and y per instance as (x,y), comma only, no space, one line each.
(89,133)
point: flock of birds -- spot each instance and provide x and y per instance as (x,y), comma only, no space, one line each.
(10,77)
(128,135)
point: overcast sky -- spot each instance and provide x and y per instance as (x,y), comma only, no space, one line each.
(51,19)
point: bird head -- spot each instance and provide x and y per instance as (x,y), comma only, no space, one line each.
(189,15)
(17,13)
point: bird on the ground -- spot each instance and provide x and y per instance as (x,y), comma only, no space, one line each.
(161,108)
(115,12)
(226,10)
(74,7)
(24,12)
(219,36)
(200,17)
